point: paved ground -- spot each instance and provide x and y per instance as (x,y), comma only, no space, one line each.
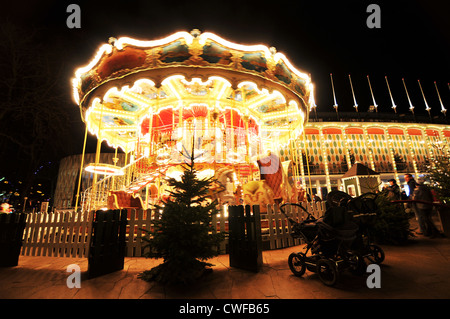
(418,273)
(420,270)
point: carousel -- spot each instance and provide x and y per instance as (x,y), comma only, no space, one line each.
(234,106)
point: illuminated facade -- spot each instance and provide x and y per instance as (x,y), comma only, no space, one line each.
(386,145)
(69,174)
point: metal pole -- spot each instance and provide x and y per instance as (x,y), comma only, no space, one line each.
(81,168)
(443,109)
(354,98)
(411,107)
(334,97)
(392,99)
(373,98)
(427,108)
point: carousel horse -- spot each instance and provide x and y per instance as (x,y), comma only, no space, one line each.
(257,193)
(118,199)
(223,188)
(279,177)
(272,173)
(252,193)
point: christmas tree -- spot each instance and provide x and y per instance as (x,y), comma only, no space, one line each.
(439,174)
(392,223)
(183,234)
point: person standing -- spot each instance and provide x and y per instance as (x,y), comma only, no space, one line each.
(393,190)
(411,182)
(423,210)
(411,185)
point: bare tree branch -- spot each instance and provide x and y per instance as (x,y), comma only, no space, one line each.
(33,110)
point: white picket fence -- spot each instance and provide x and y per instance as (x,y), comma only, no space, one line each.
(138,220)
(276,229)
(67,233)
(57,234)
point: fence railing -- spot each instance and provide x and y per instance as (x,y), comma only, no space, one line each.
(139,220)
(276,229)
(68,233)
(57,234)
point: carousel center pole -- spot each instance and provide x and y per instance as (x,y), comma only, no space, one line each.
(307,162)
(81,169)
(97,159)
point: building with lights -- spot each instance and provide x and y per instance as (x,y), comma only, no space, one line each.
(389,144)
(66,191)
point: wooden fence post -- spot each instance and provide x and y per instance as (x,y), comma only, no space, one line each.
(12,226)
(245,243)
(107,247)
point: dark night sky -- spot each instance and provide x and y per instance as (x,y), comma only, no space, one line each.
(318,37)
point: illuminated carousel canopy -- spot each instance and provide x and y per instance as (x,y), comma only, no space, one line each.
(136,93)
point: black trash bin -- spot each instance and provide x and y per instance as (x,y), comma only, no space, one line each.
(107,245)
(245,243)
(11,234)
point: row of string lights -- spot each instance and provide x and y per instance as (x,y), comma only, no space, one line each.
(393,104)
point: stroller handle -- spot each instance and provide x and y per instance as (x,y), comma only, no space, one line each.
(370,194)
(375,195)
(310,217)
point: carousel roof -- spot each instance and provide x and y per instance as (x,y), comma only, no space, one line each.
(129,81)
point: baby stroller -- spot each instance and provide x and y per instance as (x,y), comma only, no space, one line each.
(363,210)
(328,244)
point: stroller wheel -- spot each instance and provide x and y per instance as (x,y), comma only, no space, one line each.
(376,254)
(327,272)
(356,263)
(297,264)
